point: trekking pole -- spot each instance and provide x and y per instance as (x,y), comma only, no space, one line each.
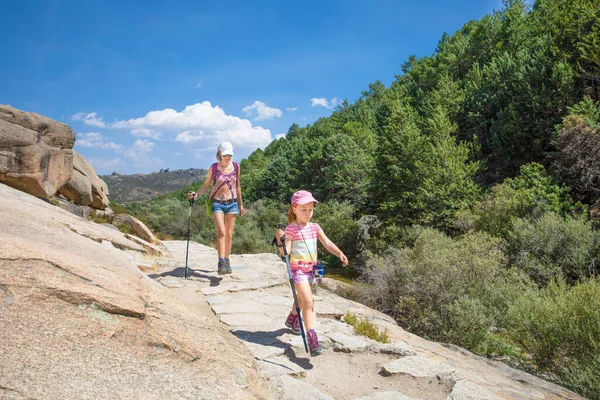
(289,270)
(188,240)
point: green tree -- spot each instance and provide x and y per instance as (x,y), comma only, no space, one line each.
(423,178)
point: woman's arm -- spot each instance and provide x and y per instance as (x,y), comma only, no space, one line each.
(203,188)
(332,248)
(239,193)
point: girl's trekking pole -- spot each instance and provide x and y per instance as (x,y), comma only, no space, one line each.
(289,270)
(185,274)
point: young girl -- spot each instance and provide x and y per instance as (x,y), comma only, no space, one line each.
(301,244)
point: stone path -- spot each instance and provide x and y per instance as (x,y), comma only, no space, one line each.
(255,299)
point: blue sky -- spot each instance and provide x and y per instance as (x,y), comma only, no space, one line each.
(158,84)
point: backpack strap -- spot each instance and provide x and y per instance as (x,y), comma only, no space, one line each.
(214,172)
(236,168)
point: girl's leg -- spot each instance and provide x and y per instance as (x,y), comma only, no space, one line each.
(219,219)
(305,299)
(229,225)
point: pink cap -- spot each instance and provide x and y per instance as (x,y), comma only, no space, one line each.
(302,197)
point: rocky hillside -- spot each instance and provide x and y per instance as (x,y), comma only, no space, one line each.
(79,320)
(141,187)
(86,314)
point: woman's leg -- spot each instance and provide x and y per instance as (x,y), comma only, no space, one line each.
(219,219)
(305,300)
(229,225)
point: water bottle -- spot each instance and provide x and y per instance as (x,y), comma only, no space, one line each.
(319,271)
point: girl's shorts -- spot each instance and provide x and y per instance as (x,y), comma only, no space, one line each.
(300,276)
(223,208)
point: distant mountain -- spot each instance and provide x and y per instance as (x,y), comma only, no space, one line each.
(140,187)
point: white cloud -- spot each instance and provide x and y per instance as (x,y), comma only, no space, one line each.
(323,102)
(100,164)
(89,119)
(139,149)
(139,153)
(145,132)
(291,109)
(319,102)
(96,140)
(262,111)
(198,85)
(201,126)
(280,135)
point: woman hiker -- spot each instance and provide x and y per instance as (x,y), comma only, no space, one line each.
(226,196)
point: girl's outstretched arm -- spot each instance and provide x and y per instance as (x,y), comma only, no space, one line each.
(332,248)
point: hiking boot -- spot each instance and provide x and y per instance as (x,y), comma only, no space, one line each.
(313,343)
(222,267)
(227,266)
(293,322)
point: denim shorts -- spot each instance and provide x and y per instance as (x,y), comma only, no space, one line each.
(232,208)
(300,276)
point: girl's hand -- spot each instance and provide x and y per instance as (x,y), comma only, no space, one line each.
(279,234)
(343,259)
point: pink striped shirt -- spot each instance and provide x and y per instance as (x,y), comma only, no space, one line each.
(303,255)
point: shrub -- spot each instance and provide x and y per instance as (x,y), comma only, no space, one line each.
(447,289)
(248,238)
(364,327)
(577,162)
(117,208)
(529,195)
(560,328)
(336,220)
(552,247)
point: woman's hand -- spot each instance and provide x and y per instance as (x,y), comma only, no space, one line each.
(242,211)
(192,195)
(343,259)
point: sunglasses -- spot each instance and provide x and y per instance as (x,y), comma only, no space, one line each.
(225,155)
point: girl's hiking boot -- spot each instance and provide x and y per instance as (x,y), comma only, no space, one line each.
(222,266)
(227,266)
(313,343)
(293,322)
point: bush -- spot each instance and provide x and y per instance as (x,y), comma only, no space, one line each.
(553,247)
(560,328)
(529,195)
(117,208)
(336,220)
(577,162)
(448,290)
(253,234)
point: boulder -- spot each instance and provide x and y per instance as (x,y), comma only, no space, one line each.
(85,187)
(136,226)
(36,153)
